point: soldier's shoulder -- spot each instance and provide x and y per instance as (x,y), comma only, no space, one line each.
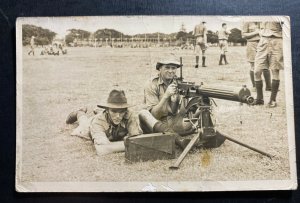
(100,116)
(153,80)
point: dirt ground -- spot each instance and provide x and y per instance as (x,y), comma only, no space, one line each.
(53,86)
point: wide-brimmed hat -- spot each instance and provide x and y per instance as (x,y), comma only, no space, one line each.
(116,100)
(169,61)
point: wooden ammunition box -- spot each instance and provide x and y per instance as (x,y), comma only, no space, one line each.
(150,147)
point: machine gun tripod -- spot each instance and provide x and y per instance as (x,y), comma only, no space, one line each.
(198,108)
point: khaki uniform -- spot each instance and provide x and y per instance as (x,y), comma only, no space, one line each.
(154,92)
(223,40)
(252,42)
(200,34)
(269,49)
(101,123)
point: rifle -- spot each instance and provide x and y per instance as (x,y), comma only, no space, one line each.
(198,102)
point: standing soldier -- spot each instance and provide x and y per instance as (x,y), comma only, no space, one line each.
(200,33)
(250,31)
(31,45)
(223,35)
(269,56)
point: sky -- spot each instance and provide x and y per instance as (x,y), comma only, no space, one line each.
(132,24)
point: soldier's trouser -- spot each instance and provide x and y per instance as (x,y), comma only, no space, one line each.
(149,124)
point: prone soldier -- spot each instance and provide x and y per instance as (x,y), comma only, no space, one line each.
(108,128)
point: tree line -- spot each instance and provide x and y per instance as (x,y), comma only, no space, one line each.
(46,36)
(42,36)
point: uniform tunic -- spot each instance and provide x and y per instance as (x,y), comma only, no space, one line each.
(100,123)
(252,42)
(223,35)
(200,34)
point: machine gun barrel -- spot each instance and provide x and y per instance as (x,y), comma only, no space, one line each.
(242,95)
(189,89)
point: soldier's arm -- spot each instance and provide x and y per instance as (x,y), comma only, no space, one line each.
(205,35)
(227,31)
(246,34)
(133,125)
(102,144)
(154,105)
(97,130)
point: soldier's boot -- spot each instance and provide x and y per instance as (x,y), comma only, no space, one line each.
(149,124)
(259,91)
(252,80)
(203,61)
(197,62)
(267,76)
(275,86)
(226,62)
(221,58)
(72,117)
(182,142)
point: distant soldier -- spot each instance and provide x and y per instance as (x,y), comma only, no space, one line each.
(269,56)
(223,35)
(250,31)
(200,34)
(31,45)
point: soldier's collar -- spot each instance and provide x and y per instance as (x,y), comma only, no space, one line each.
(161,81)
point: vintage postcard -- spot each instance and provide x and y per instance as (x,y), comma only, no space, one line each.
(154,103)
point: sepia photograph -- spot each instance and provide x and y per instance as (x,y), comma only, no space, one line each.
(154,104)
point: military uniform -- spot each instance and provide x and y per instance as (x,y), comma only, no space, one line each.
(200,32)
(269,56)
(252,43)
(31,46)
(223,40)
(269,50)
(101,123)
(154,92)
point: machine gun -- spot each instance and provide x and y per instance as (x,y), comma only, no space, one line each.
(198,102)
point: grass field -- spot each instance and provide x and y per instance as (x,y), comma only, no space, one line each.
(53,86)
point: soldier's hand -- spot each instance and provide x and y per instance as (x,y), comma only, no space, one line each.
(171,90)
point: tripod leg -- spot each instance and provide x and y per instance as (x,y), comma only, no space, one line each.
(245,145)
(185,151)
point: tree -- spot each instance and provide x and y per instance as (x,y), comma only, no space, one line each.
(212,37)
(236,36)
(183,36)
(42,36)
(76,34)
